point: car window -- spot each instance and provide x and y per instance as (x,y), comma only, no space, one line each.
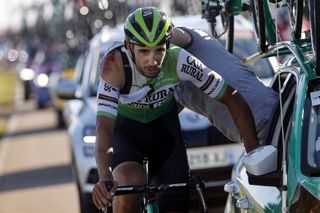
(310,145)
(282,116)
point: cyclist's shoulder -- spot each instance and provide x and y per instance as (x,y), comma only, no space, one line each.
(110,66)
(112,58)
(115,47)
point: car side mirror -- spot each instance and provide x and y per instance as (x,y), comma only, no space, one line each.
(65,89)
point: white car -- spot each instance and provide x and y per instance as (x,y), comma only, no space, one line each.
(80,110)
(210,154)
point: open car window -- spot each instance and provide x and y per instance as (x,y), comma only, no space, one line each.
(310,146)
(282,118)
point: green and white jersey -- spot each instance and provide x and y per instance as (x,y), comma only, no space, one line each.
(150,98)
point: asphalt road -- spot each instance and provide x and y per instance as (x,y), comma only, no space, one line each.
(35,164)
(35,171)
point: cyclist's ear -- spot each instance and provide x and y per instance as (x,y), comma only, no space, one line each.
(128,46)
(125,42)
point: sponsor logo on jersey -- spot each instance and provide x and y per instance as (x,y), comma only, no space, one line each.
(108,87)
(160,95)
(194,62)
(108,105)
(154,99)
(139,105)
(193,68)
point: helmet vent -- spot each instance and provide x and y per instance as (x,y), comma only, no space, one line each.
(147,15)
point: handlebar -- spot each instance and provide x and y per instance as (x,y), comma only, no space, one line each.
(155,188)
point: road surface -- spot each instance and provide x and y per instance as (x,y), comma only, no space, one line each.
(35,171)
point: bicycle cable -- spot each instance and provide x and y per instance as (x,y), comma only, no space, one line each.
(284,190)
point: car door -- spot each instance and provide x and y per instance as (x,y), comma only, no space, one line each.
(262,193)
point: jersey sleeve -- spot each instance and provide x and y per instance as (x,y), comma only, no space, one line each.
(189,68)
(107,100)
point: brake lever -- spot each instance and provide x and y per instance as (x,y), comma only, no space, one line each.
(108,184)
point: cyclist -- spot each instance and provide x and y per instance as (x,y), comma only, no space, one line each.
(262,101)
(136,109)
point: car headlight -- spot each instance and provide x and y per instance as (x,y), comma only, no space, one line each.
(89,138)
(89,134)
(26,74)
(42,80)
(304,201)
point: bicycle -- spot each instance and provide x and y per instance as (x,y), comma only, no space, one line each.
(261,16)
(149,191)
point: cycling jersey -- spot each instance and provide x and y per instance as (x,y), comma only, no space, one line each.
(261,99)
(150,98)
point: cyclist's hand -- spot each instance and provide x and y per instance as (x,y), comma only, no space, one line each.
(102,197)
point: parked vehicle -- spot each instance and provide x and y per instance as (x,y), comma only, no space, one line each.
(36,74)
(70,69)
(26,74)
(210,154)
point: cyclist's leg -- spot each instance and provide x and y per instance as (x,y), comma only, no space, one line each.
(168,164)
(128,173)
(127,166)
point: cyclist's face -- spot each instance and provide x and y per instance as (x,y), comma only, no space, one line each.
(149,60)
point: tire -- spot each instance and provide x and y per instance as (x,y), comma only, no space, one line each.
(86,204)
(61,124)
(295,9)
(259,23)
(27,90)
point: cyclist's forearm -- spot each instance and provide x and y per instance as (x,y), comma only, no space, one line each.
(103,160)
(103,154)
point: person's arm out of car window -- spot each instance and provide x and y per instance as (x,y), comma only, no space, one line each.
(107,106)
(242,116)
(190,68)
(180,38)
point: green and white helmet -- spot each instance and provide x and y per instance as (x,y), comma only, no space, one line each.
(148,26)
